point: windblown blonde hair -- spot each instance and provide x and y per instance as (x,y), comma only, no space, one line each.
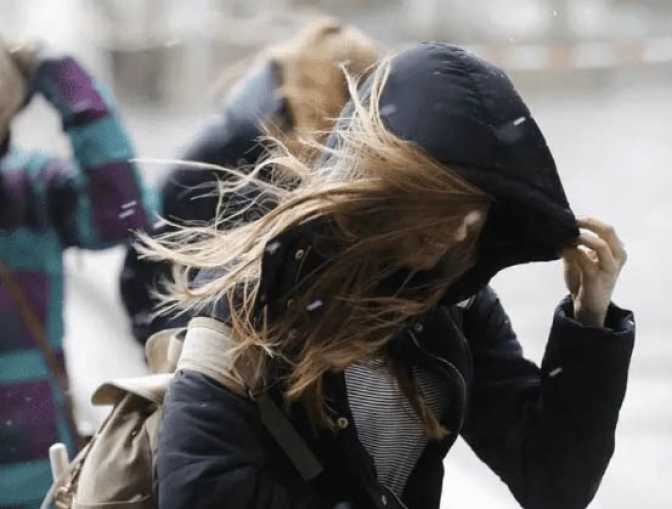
(376,189)
(311,81)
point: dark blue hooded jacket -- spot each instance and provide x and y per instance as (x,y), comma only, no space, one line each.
(547,432)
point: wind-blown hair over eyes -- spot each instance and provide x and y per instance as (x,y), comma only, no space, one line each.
(375,189)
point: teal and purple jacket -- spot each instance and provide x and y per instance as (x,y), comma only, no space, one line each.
(47,205)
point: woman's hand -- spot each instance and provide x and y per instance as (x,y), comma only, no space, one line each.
(592,268)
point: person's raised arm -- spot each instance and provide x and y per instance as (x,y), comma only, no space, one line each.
(549,432)
(96,199)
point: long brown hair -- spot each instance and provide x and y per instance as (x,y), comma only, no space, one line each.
(376,189)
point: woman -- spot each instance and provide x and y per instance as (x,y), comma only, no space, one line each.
(294,90)
(341,304)
(47,204)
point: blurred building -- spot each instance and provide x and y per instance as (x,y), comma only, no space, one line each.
(168,51)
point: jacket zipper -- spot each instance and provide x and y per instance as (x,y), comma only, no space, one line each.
(453,369)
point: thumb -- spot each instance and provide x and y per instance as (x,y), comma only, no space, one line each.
(572,270)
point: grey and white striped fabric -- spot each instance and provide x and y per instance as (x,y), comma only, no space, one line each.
(387,425)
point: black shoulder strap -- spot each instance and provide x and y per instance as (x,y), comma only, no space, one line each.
(285,434)
(205,351)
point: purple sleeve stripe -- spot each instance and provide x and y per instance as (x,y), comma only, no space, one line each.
(74,93)
(29,417)
(116,200)
(35,285)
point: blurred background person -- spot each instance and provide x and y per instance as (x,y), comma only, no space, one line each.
(93,201)
(294,91)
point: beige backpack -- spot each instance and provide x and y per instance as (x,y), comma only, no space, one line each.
(117,468)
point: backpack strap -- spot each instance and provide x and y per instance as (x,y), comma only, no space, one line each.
(285,434)
(62,491)
(163,350)
(207,349)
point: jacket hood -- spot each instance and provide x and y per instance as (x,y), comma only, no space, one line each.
(466,113)
(256,97)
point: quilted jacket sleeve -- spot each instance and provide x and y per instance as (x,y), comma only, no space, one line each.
(211,451)
(547,432)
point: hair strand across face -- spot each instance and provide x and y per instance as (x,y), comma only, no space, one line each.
(376,190)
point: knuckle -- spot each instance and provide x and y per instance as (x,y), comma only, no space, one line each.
(601,243)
